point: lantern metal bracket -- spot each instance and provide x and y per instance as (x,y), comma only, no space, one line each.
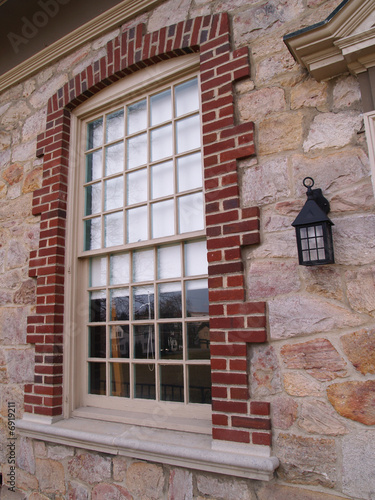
(316,195)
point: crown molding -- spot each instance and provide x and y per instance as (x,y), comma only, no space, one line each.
(98,26)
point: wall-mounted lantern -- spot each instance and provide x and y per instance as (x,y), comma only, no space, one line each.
(313,229)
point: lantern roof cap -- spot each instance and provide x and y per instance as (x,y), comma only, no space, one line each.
(311,213)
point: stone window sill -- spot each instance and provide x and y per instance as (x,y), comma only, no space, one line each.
(183,449)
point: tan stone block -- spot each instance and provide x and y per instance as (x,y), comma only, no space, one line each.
(279,492)
(5,140)
(39,98)
(318,418)
(26,293)
(77,491)
(354,400)
(310,94)
(265,376)
(33,180)
(318,357)
(20,365)
(3,190)
(361,289)
(306,460)
(265,183)
(324,281)
(144,479)
(11,393)
(34,125)
(120,466)
(270,278)
(51,476)
(346,92)
(298,384)
(15,114)
(359,347)
(25,455)
(284,412)
(90,468)
(353,240)
(37,496)
(13,174)
(282,132)
(14,321)
(58,452)
(26,481)
(180,485)
(355,199)
(225,487)
(260,103)
(110,492)
(40,449)
(168,13)
(16,209)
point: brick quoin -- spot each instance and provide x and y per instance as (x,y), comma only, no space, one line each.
(235,322)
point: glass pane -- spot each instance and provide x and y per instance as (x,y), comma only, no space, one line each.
(196,298)
(161,107)
(163,219)
(119,265)
(320,242)
(114,229)
(321,254)
(93,166)
(114,159)
(120,341)
(169,262)
(93,196)
(313,255)
(136,190)
(319,230)
(143,265)
(119,304)
(137,116)
(143,302)
(200,384)
(97,312)
(303,232)
(170,340)
(144,341)
(97,342)
(120,381)
(189,172)
(188,133)
(93,234)
(172,383)
(312,242)
(144,384)
(311,232)
(187,97)
(161,143)
(190,211)
(305,255)
(198,335)
(162,183)
(137,225)
(115,126)
(136,151)
(97,379)
(304,245)
(98,271)
(170,305)
(114,193)
(196,258)
(95,134)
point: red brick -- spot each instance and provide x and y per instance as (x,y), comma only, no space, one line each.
(219,392)
(262,438)
(239,393)
(251,423)
(238,365)
(231,435)
(229,378)
(255,321)
(229,350)
(260,408)
(218,419)
(229,322)
(226,268)
(216,336)
(248,336)
(224,295)
(229,406)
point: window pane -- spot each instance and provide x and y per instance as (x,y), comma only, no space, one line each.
(172,383)
(143,302)
(97,379)
(119,265)
(144,341)
(114,229)
(163,219)
(137,225)
(136,190)
(119,304)
(196,293)
(198,340)
(169,261)
(162,183)
(188,134)
(143,265)
(93,166)
(115,126)
(114,159)
(114,193)
(136,151)
(93,234)
(196,258)
(120,341)
(120,381)
(170,339)
(161,143)
(137,116)
(190,212)
(189,172)
(98,271)
(95,134)
(93,195)
(170,305)
(161,107)
(97,342)
(200,384)
(187,97)
(144,384)
(98,306)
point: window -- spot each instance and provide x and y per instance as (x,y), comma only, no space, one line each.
(142,252)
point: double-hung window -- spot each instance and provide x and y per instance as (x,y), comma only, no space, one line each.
(141,304)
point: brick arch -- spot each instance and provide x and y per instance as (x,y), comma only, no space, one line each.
(234,322)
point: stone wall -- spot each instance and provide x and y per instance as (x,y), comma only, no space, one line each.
(317,370)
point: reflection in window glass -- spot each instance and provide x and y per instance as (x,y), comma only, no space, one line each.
(162,182)
(196,296)
(95,134)
(144,381)
(189,172)
(119,304)
(143,302)
(136,191)
(136,151)
(196,258)
(187,97)
(170,305)
(120,341)
(97,379)
(93,234)
(161,107)
(190,211)
(97,342)
(115,126)
(114,229)
(161,143)
(143,265)
(137,116)
(114,159)
(94,166)
(114,193)
(170,341)
(144,341)
(198,335)
(169,261)
(119,264)
(188,134)
(200,384)
(93,197)
(172,383)
(98,306)
(162,219)
(137,224)
(98,271)
(120,380)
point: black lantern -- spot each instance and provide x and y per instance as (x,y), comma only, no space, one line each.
(313,229)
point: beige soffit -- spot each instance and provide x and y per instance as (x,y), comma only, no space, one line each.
(343,42)
(107,21)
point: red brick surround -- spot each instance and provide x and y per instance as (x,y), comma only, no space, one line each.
(234,322)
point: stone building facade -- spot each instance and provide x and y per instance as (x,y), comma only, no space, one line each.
(284,96)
